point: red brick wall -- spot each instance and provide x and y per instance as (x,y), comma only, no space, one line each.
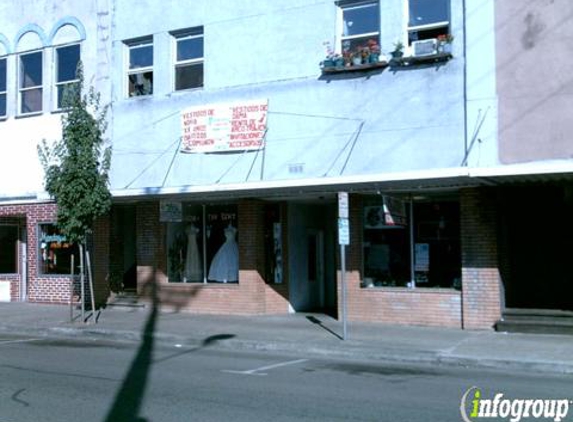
(420,306)
(481,280)
(54,289)
(49,289)
(101,258)
(249,296)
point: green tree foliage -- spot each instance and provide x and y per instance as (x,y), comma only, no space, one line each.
(76,167)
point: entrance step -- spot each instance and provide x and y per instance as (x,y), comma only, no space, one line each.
(128,299)
(537,321)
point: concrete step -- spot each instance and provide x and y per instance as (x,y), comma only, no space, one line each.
(126,299)
(537,321)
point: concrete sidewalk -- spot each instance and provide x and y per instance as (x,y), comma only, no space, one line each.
(310,334)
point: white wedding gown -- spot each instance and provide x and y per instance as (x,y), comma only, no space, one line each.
(193,270)
(225,264)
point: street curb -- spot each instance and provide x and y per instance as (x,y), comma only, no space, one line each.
(344,351)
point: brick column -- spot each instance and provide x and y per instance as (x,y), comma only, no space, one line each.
(252,253)
(147,246)
(101,258)
(481,281)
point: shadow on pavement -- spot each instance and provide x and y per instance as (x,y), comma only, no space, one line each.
(130,396)
(318,322)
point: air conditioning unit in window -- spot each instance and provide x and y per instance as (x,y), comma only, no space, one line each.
(424,47)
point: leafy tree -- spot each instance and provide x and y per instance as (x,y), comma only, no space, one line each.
(76,167)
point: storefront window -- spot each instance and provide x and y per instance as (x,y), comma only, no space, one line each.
(203,246)
(411,247)
(8,249)
(273,245)
(437,248)
(55,252)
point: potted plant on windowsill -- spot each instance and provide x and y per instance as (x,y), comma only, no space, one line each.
(445,43)
(398,51)
(373,51)
(332,59)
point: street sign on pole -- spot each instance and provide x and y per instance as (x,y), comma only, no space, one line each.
(343,231)
(342,204)
(343,240)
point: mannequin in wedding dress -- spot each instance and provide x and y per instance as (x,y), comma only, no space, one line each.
(193,267)
(225,265)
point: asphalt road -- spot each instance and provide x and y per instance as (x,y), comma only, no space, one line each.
(99,380)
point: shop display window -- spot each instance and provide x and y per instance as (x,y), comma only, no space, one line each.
(203,246)
(411,244)
(273,244)
(8,249)
(55,252)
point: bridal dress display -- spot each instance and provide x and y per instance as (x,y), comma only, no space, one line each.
(225,265)
(193,270)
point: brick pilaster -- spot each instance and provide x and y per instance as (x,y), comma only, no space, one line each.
(481,281)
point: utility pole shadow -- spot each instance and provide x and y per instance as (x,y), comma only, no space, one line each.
(318,322)
(128,401)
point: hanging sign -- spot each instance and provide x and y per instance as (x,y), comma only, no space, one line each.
(224,127)
(170,211)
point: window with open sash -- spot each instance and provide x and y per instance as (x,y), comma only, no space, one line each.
(360,25)
(30,82)
(428,19)
(67,59)
(140,67)
(189,59)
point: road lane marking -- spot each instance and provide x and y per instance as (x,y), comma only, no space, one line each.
(20,341)
(256,371)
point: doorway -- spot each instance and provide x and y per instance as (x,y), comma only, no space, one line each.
(315,268)
(124,248)
(536,234)
(311,257)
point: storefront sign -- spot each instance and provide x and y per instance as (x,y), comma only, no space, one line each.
(224,127)
(170,211)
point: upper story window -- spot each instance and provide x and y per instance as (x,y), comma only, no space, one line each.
(360,24)
(67,59)
(428,19)
(140,67)
(189,59)
(30,82)
(2,87)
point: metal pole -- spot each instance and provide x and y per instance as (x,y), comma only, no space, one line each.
(82,279)
(343,286)
(412,254)
(91,283)
(72,290)
(204,254)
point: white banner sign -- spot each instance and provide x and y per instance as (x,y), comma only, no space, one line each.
(224,127)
